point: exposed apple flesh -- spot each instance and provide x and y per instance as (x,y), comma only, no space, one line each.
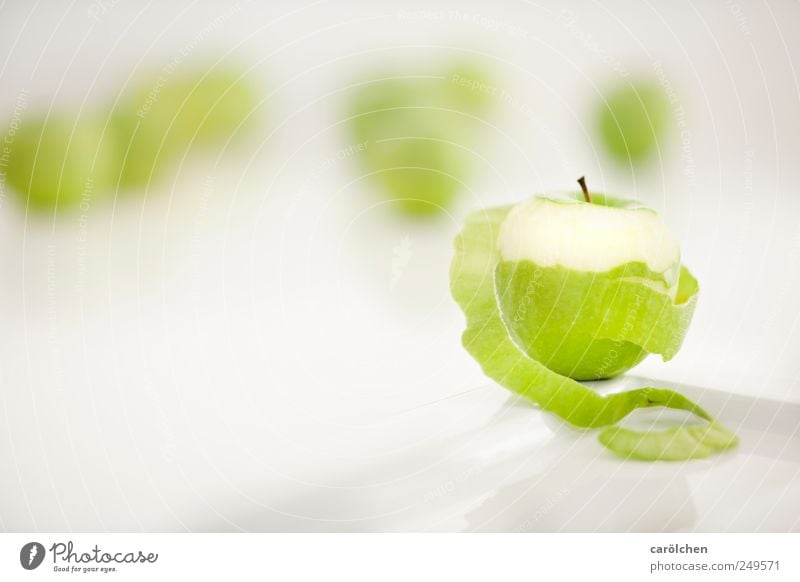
(596,236)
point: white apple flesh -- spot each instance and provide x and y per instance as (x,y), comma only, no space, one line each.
(586,236)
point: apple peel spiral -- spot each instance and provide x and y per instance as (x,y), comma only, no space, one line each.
(537,329)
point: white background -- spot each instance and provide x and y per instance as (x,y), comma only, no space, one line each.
(222,350)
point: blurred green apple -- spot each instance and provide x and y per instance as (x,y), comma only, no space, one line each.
(162,118)
(417,133)
(632,120)
(54,162)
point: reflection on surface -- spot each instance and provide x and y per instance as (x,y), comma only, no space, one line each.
(523,471)
(568,497)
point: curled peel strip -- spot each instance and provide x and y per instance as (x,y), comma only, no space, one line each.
(473,280)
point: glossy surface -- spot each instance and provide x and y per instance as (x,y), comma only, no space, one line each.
(520,470)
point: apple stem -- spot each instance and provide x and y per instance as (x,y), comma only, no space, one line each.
(582,182)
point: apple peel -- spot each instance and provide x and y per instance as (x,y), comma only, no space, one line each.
(475,274)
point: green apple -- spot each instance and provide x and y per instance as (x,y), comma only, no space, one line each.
(56,161)
(575,261)
(164,116)
(580,287)
(417,133)
(632,120)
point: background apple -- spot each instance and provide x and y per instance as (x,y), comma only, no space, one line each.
(632,120)
(56,160)
(418,132)
(166,115)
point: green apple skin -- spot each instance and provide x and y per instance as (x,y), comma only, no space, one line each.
(56,162)
(564,317)
(417,132)
(161,119)
(561,331)
(632,120)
